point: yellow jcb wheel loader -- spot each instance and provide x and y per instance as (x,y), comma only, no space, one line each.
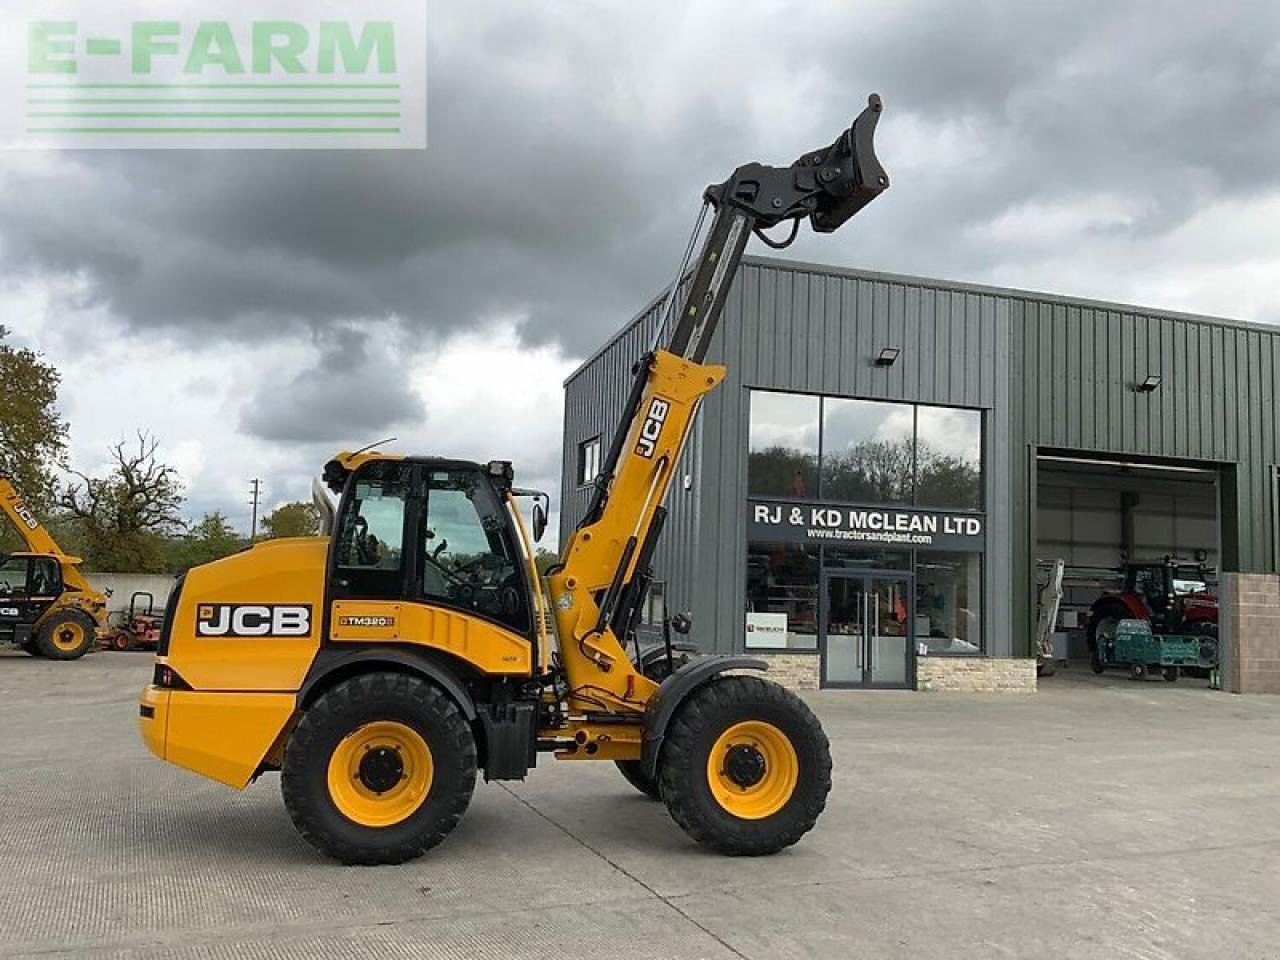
(381,666)
(47,607)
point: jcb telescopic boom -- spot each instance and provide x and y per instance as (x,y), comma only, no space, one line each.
(47,607)
(381,665)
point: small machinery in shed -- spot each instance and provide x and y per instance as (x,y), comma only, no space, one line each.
(1135,646)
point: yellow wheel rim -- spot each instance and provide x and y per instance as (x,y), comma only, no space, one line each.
(380,773)
(69,636)
(753,770)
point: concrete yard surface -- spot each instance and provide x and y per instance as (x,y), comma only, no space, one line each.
(1098,818)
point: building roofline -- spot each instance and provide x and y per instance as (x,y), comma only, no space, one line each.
(953,286)
(616,336)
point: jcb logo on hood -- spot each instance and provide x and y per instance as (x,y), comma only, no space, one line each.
(253,620)
(651,429)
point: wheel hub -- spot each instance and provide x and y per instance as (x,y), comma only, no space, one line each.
(745,765)
(381,769)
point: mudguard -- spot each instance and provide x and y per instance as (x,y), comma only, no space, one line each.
(662,706)
(335,659)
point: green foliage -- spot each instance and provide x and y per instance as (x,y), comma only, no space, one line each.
(33,436)
(125,517)
(297,519)
(212,538)
(784,472)
(543,559)
(874,471)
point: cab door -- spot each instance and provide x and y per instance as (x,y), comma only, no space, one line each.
(425,555)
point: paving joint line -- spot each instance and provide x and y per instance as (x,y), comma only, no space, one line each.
(627,873)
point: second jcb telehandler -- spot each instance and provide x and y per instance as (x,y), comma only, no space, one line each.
(47,607)
(381,665)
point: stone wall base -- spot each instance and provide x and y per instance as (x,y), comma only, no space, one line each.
(976,674)
(795,671)
(1249,631)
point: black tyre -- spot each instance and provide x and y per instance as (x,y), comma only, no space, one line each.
(634,774)
(32,647)
(379,769)
(67,635)
(1095,662)
(1137,671)
(745,768)
(1171,674)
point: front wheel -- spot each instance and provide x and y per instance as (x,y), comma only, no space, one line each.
(746,767)
(379,769)
(66,636)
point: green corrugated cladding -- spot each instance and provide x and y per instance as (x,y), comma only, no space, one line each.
(1052,373)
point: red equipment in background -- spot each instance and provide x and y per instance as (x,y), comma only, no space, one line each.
(140,629)
(1172,595)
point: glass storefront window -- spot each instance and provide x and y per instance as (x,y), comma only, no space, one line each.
(949,602)
(783,449)
(949,458)
(868,453)
(836,558)
(782,596)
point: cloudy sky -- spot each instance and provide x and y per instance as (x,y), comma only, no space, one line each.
(259,310)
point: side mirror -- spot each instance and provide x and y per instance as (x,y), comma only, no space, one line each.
(539,522)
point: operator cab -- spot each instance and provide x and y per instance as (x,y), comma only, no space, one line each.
(433,531)
(29,584)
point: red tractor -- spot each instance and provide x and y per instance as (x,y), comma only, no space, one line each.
(1172,595)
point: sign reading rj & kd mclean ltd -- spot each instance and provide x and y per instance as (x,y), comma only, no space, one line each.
(874,526)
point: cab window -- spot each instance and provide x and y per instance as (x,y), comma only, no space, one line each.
(13,575)
(369,555)
(46,581)
(467,560)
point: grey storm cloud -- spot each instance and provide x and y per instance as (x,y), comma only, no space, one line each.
(561,177)
(351,391)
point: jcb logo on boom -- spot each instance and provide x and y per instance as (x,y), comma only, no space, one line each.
(651,429)
(29,518)
(253,620)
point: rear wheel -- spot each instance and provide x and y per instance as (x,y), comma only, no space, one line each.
(32,647)
(379,769)
(68,635)
(1171,674)
(745,768)
(633,772)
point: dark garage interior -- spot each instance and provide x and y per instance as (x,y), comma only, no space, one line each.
(1108,519)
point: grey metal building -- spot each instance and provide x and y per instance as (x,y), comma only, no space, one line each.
(892,459)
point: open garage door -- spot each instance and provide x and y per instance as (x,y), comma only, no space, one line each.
(1139,542)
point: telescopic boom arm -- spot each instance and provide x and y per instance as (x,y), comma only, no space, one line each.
(37,538)
(606,570)
(29,527)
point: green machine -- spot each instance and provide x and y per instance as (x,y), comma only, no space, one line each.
(1133,645)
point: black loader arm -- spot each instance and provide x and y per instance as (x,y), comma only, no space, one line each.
(613,546)
(827,186)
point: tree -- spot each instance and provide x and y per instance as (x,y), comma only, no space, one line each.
(543,559)
(33,437)
(873,471)
(210,539)
(297,519)
(125,516)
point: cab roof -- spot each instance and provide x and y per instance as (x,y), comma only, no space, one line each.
(347,462)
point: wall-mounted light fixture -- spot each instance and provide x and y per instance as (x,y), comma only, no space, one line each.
(888,357)
(1150,384)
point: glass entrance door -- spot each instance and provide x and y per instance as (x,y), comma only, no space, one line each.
(866,630)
